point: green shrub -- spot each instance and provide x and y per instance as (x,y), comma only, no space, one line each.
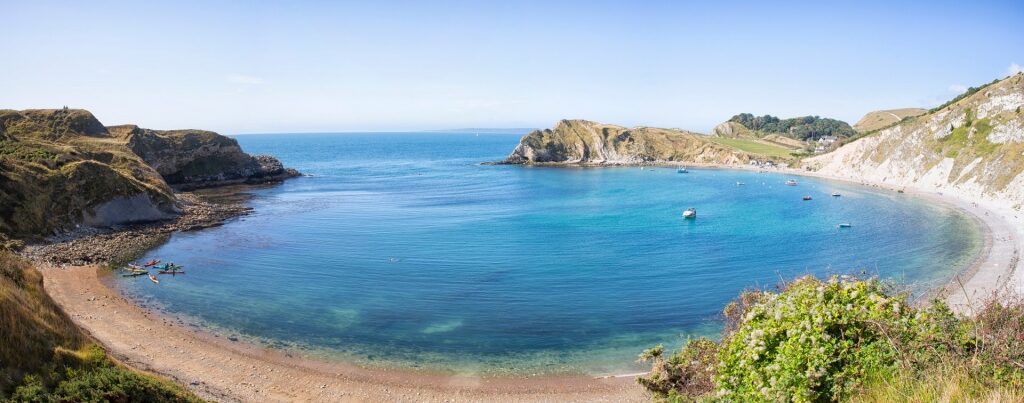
(815,341)
(842,338)
(689,372)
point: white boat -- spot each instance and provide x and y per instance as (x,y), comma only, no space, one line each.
(836,194)
(690,213)
(740,183)
(791,183)
(682,170)
(845,225)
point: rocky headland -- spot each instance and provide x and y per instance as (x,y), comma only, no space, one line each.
(70,185)
(582,142)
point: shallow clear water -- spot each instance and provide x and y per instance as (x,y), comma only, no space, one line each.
(401,249)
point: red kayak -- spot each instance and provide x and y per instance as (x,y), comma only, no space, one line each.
(151,263)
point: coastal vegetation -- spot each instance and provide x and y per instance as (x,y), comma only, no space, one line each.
(805,128)
(46,358)
(846,339)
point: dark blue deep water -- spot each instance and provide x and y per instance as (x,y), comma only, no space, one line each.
(401,249)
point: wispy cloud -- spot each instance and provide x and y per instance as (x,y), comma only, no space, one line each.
(1014,69)
(958,88)
(244,79)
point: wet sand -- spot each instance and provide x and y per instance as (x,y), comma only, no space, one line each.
(219,369)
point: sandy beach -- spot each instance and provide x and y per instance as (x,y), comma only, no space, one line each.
(219,369)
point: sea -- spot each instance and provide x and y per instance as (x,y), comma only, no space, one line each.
(404,250)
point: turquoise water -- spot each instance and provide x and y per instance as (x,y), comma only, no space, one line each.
(401,249)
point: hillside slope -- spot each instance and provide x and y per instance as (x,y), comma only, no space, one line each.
(880,119)
(584,142)
(61,167)
(973,147)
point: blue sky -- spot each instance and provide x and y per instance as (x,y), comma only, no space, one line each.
(240,67)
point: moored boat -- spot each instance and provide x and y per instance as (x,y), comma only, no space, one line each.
(151,263)
(740,183)
(836,194)
(806,198)
(791,183)
(690,213)
(172,272)
(845,225)
(682,170)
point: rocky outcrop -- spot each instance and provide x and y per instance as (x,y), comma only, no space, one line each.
(973,147)
(730,130)
(584,142)
(197,158)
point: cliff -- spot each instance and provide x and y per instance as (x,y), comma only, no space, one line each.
(197,158)
(584,142)
(61,168)
(973,146)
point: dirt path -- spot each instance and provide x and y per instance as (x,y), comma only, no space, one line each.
(222,370)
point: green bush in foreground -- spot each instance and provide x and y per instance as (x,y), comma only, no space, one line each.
(839,339)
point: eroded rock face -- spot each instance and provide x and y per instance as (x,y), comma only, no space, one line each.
(972,147)
(126,210)
(197,158)
(591,143)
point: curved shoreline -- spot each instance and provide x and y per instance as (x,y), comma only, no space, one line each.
(995,274)
(219,369)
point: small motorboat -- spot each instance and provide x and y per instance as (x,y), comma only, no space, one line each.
(740,183)
(806,198)
(845,225)
(690,213)
(151,263)
(836,194)
(153,279)
(682,170)
(791,183)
